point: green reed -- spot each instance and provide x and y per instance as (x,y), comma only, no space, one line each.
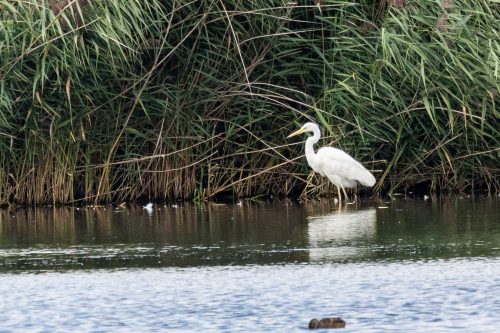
(112,101)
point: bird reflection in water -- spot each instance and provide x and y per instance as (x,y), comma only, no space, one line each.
(341,235)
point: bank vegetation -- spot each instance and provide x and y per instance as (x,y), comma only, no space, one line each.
(161,99)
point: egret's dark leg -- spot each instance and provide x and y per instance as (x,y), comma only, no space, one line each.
(340,197)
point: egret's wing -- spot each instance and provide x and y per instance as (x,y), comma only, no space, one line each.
(339,164)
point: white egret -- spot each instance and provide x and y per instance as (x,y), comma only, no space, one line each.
(338,166)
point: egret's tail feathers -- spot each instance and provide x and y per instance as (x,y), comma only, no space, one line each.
(366,178)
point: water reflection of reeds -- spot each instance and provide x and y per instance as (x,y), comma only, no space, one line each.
(40,225)
(132,236)
(444,227)
(246,233)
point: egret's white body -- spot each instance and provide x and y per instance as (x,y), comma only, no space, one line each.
(335,164)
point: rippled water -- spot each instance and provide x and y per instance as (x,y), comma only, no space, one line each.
(419,266)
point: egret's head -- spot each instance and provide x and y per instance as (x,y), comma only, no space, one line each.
(308,127)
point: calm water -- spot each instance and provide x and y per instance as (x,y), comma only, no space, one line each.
(407,265)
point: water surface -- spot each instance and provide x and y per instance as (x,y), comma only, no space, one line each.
(404,265)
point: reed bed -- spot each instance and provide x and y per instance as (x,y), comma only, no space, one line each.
(116,101)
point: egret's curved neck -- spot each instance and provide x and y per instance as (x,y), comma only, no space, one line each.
(310,154)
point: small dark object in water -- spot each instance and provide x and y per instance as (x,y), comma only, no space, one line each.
(327,323)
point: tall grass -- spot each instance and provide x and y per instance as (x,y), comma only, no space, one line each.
(421,82)
(113,100)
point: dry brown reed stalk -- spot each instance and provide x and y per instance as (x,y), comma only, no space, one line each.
(244,181)
(398,3)
(69,12)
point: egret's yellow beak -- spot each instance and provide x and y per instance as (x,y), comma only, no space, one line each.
(297,132)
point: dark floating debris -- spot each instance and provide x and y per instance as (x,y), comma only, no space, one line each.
(327,323)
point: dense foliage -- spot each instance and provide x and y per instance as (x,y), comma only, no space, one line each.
(120,100)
